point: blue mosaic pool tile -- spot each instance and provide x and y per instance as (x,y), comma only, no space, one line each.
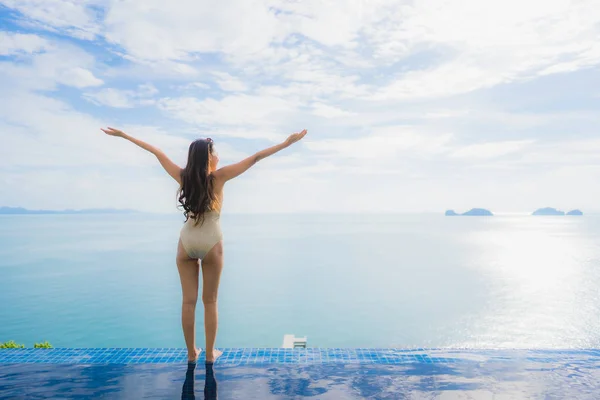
(291,356)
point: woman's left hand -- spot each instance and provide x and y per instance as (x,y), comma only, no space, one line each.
(113,132)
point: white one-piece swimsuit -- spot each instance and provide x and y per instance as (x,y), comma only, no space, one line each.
(198,239)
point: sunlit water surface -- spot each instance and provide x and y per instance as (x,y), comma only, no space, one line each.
(341,280)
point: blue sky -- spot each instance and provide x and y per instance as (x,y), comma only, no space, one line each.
(410,106)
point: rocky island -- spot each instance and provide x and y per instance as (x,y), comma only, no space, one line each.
(575,212)
(474,212)
(548,211)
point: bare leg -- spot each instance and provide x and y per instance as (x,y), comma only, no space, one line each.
(188,273)
(212,265)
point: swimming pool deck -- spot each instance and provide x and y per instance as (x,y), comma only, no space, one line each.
(263,373)
(244,356)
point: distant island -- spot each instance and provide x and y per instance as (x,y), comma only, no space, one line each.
(548,211)
(554,211)
(474,212)
(20,211)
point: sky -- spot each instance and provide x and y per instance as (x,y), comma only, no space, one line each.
(410,106)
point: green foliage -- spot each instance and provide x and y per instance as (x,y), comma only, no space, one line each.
(11,345)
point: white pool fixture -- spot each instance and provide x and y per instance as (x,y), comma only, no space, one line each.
(293,342)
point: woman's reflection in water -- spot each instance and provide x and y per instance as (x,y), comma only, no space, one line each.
(210,383)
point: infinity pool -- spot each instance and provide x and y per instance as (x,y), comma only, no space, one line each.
(315,373)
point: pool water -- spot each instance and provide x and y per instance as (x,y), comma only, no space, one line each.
(314,373)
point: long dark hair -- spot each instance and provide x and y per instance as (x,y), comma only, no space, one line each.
(196,194)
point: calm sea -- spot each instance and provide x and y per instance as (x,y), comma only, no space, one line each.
(341,280)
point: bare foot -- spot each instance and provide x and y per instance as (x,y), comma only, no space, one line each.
(194,358)
(212,356)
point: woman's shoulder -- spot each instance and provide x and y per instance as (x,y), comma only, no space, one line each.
(216,177)
(217,183)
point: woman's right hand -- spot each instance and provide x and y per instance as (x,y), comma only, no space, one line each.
(295,137)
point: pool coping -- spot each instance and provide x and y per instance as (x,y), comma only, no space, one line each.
(246,356)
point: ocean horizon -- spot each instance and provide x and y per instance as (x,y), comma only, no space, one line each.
(4,209)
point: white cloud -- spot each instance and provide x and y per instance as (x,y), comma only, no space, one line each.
(123,98)
(476,46)
(491,150)
(327,111)
(581,152)
(234,110)
(147,90)
(383,144)
(493,42)
(58,64)
(199,85)
(328,22)
(112,98)
(77,77)
(166,31)
(75,17)
(229,83)
(252,133)
(15,43)
(44,132)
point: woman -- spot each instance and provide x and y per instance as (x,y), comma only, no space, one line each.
(201,196)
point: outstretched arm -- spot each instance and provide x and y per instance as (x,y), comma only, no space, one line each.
(172,169)
(231,171)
